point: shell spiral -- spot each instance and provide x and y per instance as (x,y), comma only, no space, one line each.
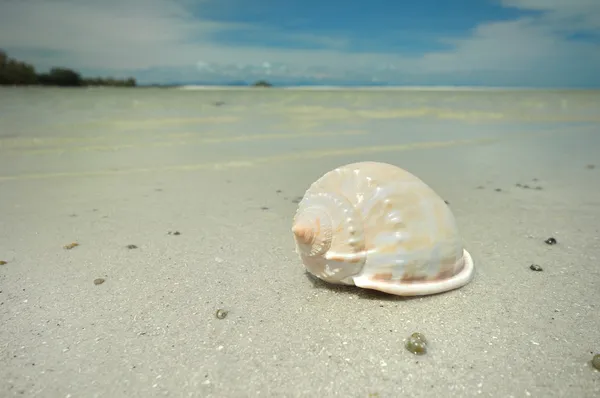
(377,226)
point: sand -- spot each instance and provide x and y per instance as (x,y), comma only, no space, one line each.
(205,183)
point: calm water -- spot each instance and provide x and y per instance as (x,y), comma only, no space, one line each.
(55,130)
(35,112)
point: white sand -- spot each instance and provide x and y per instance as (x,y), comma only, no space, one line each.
(109,168)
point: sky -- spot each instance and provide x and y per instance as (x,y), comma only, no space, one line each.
(530,43)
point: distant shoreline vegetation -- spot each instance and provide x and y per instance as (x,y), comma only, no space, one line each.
(262,83)
(18,73)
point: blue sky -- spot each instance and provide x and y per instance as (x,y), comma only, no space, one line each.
(533,43)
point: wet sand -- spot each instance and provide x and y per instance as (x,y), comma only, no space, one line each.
(181,203)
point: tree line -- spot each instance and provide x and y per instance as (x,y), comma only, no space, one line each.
(262,83)
(18,73)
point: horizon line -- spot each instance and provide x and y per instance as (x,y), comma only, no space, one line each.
(362,87)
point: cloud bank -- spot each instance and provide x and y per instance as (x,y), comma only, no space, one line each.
(165,41)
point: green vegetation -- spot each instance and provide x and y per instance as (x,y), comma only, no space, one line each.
(17,73)
(262,83)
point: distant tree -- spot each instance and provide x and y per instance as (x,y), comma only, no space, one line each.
(61,77)
(262,83)
(13,72)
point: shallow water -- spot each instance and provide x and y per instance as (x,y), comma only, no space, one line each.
(175,126)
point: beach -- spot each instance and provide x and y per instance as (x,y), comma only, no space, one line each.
(131,217)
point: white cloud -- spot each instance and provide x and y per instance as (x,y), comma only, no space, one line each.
(127,33)
(161,39)
(529,48)
(110,34)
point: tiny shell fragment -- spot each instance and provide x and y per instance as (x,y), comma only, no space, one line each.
(71,246)
(596,361)
(550,241)
(221,314)
(417,344)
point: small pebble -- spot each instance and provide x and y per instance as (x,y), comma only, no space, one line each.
(498,189)
(98,281)
(174,233)
(221,314)
(71,246)
(131,246)
(535,267)
(2,262)
(591,166)
(417,344)
(596,361)
(550,241)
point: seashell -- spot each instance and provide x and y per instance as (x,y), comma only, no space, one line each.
(377,226)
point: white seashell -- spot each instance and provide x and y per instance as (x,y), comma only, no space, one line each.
(377,226)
